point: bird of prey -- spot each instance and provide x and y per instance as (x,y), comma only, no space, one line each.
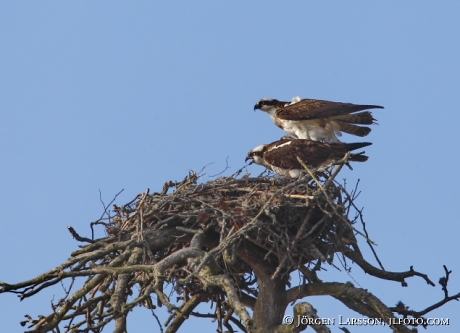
(318,120)
(281,156)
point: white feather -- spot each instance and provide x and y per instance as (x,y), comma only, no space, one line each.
(289,173)
(310,130)
(258,148)
(281,145)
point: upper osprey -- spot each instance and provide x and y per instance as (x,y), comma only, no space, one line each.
(318,120)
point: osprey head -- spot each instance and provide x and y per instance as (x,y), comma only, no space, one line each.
(266,104)
(256,155)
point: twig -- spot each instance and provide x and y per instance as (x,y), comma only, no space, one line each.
(78,237)
(331,204)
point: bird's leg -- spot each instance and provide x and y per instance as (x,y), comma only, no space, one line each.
(287,137)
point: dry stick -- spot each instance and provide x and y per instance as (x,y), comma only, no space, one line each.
(76,236)
(418,314)
(54,275)
(57,316)
(140,235)
(138,209)
(229,240)
(365,230)
(386,275)
(294,196)
(351,197)
(219,314)
(158,320)
(337,170)
(300,196)
(293,243)
(212,315)
(182,315)
(331,204)
(109,316)
(226,283)
(104,213)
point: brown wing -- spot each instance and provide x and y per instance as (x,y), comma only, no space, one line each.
(284,153)
(308,109)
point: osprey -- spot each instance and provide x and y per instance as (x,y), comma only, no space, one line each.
(318,120)
(281,156)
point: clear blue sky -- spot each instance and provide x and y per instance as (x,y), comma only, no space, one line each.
(113,95)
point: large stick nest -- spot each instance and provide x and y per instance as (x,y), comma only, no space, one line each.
(208,241)
(282,215)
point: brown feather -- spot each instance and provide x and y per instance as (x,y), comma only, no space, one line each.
(354,129)
(362,118)
(359,157)
(278,123)
(308,109)
(284,153)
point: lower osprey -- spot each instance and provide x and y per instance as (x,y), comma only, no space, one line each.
(281,156)
(318,120)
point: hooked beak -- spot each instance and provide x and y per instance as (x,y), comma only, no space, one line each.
(256,107)
(249,158)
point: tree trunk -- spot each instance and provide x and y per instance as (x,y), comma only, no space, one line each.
(270,305)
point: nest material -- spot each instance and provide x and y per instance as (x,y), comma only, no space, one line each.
(287,218)
(207,240)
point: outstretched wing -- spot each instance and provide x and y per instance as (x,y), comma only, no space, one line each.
(308,109)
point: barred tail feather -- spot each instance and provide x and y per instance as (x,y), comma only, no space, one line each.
(354,129)
(359,157)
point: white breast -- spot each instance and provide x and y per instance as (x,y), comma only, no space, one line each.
(289,173)
(310,130)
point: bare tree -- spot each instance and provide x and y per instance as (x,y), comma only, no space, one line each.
(233,241)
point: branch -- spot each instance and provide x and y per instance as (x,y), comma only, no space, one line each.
(184,312)
(224,282)
(403,310)
(78,237)
(346,292)
(393,276)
